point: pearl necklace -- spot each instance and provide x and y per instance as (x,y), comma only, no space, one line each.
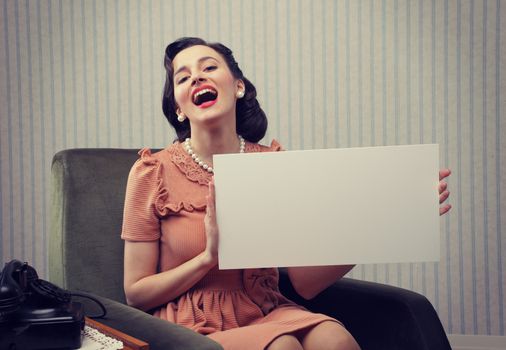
(200,162)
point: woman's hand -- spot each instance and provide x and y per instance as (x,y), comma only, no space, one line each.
(212,232)
(443,191)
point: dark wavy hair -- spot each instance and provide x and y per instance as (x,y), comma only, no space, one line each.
(251,122)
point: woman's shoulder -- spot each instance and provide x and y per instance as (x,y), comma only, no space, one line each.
(150,160)
(275,146)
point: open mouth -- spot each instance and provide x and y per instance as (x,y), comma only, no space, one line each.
(205,95)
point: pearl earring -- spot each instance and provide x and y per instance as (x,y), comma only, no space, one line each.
(181,118)
(240,94)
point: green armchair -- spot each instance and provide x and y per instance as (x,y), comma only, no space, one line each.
(86,255)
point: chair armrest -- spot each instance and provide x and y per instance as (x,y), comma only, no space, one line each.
(379,316)
(158,333)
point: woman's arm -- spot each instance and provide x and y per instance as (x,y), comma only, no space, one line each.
(145,288)
(309,281)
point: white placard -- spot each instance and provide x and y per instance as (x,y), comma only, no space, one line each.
(328,207)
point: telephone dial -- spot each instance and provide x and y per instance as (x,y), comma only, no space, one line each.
(36,314)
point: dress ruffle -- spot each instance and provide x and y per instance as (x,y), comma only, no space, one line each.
(165,208)
(162,202)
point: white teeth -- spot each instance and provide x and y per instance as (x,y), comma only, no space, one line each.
(201,92)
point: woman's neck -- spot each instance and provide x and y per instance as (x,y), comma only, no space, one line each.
(206,143)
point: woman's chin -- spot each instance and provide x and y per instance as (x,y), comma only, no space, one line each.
(212,117)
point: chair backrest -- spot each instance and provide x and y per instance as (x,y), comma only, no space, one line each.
(85,248)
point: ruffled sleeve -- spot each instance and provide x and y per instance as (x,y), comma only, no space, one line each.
(275,146)
(140,222)
(256,147)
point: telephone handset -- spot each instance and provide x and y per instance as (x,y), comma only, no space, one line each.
(19,283)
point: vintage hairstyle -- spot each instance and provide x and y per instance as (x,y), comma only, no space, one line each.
(251,122)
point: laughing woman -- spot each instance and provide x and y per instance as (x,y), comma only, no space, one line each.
(170,230)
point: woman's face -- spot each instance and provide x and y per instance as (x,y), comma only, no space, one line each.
(204,87)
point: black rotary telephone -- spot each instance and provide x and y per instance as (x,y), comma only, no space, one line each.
(19,283)
(36,314)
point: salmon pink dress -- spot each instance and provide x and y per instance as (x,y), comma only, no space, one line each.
(240,309)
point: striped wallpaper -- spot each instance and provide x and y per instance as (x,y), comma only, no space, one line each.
(345,73)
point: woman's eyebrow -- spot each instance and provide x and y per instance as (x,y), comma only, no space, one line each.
(200,60)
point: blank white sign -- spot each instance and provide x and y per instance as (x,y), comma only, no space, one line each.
(328,207)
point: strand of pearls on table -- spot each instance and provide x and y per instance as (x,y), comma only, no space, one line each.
(200,162)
